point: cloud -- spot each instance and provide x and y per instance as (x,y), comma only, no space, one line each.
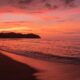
(68,1)
(25,1)
(13,28)
(50,17)
(38,4)
(13,17)
(73,32)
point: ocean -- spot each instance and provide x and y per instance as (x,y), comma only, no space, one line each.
(61,67)
(55,46)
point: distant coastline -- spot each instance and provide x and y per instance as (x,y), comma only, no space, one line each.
(18,35)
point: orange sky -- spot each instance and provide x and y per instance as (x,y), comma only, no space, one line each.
(43,22)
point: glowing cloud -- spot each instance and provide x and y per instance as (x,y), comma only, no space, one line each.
(14,28)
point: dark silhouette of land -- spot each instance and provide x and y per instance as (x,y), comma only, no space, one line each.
(13,70)
(18,35)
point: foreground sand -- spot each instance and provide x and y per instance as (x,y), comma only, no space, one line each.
(46,70)
(13,70)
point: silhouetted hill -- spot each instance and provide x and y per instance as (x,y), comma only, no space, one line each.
(18,35)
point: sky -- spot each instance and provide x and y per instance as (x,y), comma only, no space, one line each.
(45,17)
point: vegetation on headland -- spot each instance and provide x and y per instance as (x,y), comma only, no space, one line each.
(18,35)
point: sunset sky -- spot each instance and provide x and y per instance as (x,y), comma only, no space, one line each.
(45,17)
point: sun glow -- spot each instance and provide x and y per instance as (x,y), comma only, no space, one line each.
(14,28)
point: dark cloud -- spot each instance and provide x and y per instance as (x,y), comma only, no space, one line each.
(43,0)
(25,1)
(39,4)
(68,1)
(48,5)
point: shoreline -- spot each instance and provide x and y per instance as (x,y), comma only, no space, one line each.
(47,70)
(45,57)
(13,70)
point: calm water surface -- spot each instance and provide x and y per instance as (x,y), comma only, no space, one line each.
(55,46)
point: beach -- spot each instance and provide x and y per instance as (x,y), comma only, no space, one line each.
(39,39)
(13,70)
(33,69)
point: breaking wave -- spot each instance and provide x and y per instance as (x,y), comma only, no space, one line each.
(42,56)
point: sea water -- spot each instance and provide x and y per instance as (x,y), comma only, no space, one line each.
(62,47)
(47,70)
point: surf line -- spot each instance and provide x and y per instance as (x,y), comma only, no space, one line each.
(45,57)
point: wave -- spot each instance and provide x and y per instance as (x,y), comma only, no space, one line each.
(43,56)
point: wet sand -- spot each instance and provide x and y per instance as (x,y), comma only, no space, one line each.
(13,70)
(48,70)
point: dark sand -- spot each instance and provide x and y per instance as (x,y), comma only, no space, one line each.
(13,70)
